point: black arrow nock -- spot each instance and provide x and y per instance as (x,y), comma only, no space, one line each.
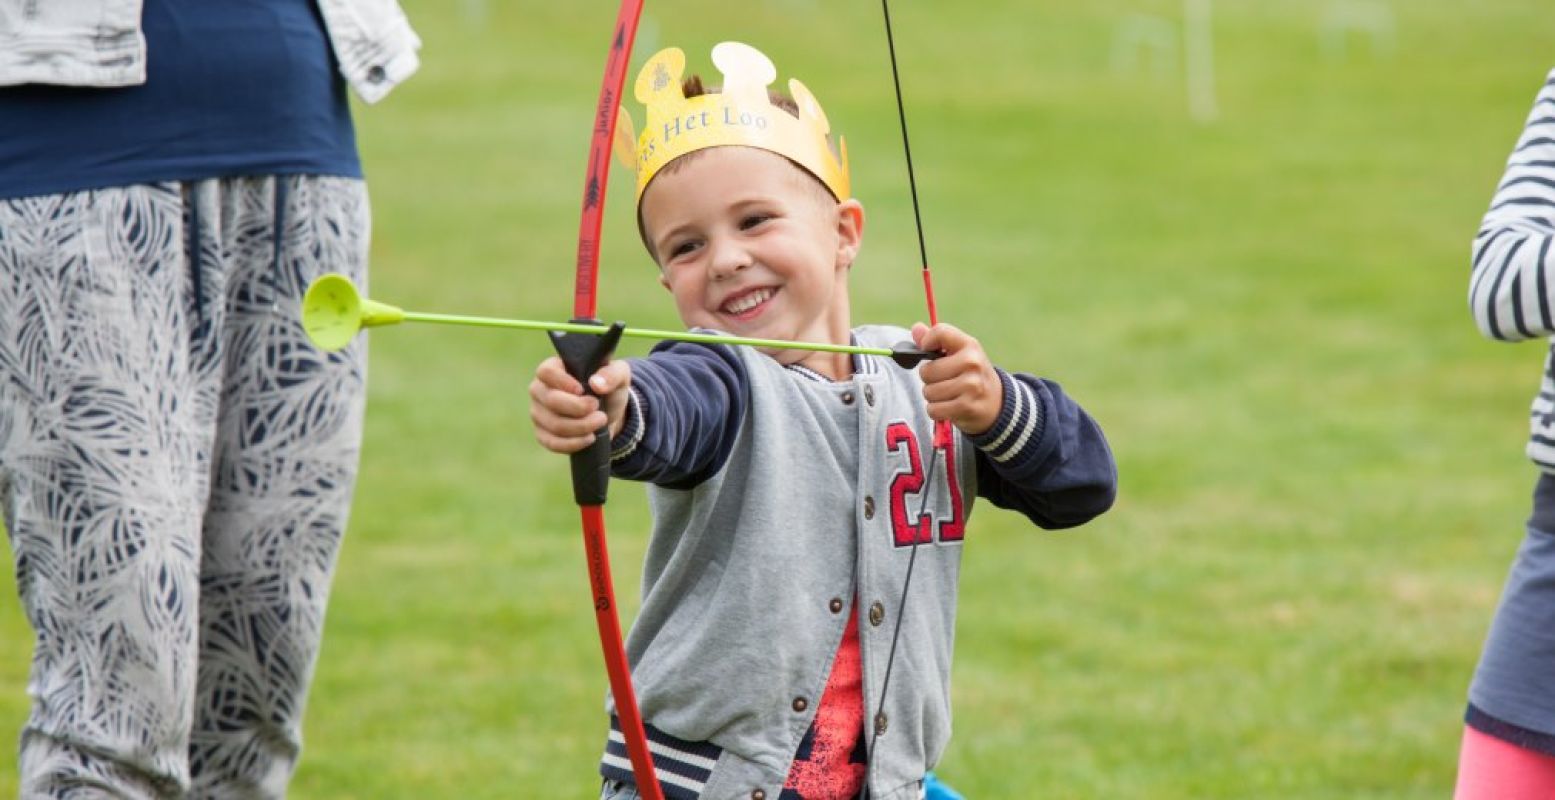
(908,355)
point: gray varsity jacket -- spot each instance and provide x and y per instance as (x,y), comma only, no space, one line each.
(777,500)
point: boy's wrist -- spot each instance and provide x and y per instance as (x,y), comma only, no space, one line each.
(995,408)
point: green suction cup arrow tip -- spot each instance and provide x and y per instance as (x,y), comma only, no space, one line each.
(331,312)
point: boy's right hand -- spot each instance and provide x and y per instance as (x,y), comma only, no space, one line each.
(565,418)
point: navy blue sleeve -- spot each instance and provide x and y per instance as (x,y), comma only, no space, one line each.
(687,403)
(1045,457)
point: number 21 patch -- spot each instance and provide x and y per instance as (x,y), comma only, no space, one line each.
(927,527)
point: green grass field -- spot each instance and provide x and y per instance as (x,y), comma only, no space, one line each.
(1322,482)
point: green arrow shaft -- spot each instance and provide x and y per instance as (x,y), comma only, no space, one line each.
(642,333)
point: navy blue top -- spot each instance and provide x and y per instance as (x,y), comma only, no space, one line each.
(233,87)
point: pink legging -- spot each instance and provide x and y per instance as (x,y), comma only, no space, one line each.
(1495,769)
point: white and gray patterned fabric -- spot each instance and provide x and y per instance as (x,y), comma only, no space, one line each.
(176,466)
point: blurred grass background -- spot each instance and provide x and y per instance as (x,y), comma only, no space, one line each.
(1322,479)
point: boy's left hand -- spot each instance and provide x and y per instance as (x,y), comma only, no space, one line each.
(962,385)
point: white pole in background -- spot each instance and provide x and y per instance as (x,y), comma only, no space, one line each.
(1200,47)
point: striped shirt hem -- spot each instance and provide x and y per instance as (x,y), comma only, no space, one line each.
(682,767)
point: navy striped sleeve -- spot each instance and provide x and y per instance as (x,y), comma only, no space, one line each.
(687,403)
(1509,284)
(1045,456)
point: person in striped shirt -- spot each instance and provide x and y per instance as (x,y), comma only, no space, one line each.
(1508,750)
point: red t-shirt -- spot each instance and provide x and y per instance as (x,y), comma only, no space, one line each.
(832,760)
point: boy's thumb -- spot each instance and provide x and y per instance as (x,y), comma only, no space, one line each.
(608,378)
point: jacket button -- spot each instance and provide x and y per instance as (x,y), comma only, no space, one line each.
(847,398)
(800,704)
(836,605)
(869,507)
(757,794)
(880,723)
(876,614)
(869,395)
(376,75)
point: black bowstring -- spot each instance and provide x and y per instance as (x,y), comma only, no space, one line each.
(928,483)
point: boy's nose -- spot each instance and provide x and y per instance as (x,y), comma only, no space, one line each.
(728,260)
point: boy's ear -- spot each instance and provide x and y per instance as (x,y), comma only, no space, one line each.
(850,231)
(663,280)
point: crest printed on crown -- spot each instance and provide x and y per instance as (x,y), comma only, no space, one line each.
(741,114)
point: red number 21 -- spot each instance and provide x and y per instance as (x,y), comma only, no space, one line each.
(897,437)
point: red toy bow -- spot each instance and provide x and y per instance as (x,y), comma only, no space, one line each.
(583,354)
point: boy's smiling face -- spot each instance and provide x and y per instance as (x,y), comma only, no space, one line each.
(750,244)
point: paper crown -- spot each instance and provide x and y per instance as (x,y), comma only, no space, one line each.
(741,114)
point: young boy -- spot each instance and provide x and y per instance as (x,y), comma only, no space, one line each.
(788,487)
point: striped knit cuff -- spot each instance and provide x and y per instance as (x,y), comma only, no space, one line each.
(1019,425)
(632,427)
(682,767)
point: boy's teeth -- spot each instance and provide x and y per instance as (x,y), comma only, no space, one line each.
(747,302)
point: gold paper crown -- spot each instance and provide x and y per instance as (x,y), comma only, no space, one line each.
(741,114)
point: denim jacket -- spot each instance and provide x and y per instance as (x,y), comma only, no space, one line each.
(99,43)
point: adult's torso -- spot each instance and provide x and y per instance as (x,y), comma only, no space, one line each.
(233,87)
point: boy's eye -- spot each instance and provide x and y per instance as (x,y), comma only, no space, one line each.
(681,249)
(752,220)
